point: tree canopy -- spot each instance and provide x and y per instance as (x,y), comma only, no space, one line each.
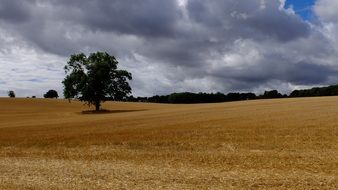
(11,94)
(192,98)
(95,78)
(51,94)
(317,91)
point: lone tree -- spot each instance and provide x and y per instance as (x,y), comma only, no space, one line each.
(11,94)
(95,79)
(51,94)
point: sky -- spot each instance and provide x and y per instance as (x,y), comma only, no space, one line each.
(173,45)
(302,8)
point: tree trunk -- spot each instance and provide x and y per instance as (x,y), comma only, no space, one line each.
(97,105)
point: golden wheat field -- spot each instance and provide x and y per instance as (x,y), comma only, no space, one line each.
(263,144)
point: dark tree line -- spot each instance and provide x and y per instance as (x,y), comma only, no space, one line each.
(317,91)
(190,98)
(49,94)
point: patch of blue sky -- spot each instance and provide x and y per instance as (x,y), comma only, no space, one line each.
(302,7)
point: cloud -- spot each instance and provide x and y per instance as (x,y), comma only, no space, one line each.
(14,11)
(184,45)
(327,10)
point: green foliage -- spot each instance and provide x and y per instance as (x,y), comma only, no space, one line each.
(11,94)
(190,98)
(95,79)
(51,94)
(323,91)
(271,94)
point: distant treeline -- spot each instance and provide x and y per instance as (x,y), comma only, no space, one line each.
(190,98)
(323,91)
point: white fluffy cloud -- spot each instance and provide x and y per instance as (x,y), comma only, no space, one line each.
(26,70)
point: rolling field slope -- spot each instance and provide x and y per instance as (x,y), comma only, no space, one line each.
(275,144)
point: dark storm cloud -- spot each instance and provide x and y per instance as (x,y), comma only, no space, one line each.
(14,11)
(280,26)
(296,73)
(146,17)
(216,45)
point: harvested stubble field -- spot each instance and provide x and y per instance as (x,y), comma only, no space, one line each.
(274,144)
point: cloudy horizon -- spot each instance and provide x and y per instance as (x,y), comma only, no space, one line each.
(172,45)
